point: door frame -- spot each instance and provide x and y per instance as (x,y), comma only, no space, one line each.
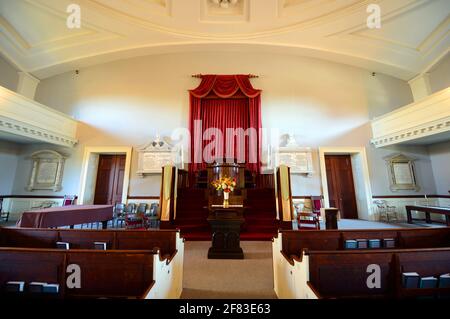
(89,152)
(358,156)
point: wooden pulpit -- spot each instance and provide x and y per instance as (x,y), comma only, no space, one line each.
(226,222)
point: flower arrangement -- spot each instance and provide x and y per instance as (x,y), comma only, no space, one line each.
(225,184)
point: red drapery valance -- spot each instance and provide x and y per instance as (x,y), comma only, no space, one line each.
(225,86)
(227,113)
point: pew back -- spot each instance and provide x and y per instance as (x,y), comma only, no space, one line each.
(294,241)
(165,240)
(344,274)
(110,274)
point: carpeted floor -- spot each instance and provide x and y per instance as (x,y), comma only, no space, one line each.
(250,278)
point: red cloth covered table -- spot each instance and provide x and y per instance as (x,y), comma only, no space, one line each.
(66,216)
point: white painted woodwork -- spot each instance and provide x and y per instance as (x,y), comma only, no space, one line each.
(299,159)
(27,85)
(420,86)
(168,276)
(24,117)
(35,36)
(427,117)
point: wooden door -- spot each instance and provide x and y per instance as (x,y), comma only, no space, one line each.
(341,189)
(109,185)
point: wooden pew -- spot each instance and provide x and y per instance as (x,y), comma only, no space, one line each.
(287,250)
(104,274)
(293,242)
(165,240)
(343,274)
(168,243)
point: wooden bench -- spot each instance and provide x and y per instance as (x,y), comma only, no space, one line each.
(343,274)
(168,243)
(288,247)
(164,240)
(293,242)
(104,274)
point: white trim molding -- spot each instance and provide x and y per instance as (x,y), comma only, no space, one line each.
(361,176)
(429,116)
(87,170)
(22,116)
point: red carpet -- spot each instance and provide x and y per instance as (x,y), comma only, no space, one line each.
(260,218)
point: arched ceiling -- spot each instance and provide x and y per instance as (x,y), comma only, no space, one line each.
(414,33)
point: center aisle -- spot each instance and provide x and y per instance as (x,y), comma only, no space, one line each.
(250,278)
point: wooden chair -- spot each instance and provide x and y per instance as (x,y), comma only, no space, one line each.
(119,215)
(132,220)
(69,200)
(386,212)
(317,204)
(152,216)
(308,221)
(130,208)
(142,209)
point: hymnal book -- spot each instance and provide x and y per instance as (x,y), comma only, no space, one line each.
(51,288)
(36,287)
(374,243)
(62,245)
(389,243)
(361,243)
(428,282)
(100,245)
(350,244)
(14,286)
(444,281)
(410,279)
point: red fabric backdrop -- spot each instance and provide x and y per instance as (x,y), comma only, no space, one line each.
(225,101)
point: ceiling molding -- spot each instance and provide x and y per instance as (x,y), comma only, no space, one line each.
(333,30)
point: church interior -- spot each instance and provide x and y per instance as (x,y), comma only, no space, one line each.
(225,149)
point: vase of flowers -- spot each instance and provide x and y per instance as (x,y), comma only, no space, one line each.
(226,185)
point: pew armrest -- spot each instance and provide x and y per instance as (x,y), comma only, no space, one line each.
(288,258)
(146,294)
(314,290)
(169,258)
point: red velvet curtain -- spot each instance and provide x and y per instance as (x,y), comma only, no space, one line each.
(237,105)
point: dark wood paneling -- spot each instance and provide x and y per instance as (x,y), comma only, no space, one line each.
(341,190)
(110,174)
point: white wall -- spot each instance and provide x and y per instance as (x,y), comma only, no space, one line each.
(8,75)
(72,170)
(379,171)
(127,102)
(440,75)
(440,162)
(9,153)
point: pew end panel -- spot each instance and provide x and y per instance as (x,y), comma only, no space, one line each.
(290,273)
(276,262)
(168,273)
(302,287)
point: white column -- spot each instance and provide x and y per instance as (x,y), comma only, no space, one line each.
(420,86)
(27,85)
